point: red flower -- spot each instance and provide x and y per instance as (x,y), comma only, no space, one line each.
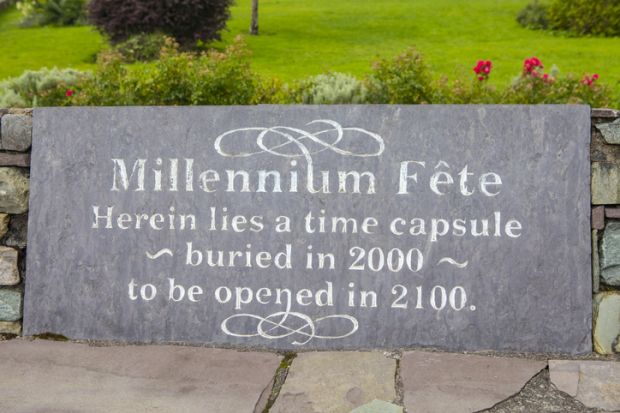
(483,69)
(531,65)
(589,80)
(69,93)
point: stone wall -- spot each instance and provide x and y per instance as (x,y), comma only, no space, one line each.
(15,141)
(605,156)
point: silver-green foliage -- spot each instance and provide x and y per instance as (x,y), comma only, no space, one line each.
(332,88)
(45,87)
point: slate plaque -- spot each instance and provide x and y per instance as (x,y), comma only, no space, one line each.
(313,227)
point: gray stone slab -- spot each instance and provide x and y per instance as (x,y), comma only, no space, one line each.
(11,304)
(594,383)
(336,382)
(9,271)
(15,132)
(521,284)
(14,188)
(461,383)
(378,406)
(50,376)
(610,254)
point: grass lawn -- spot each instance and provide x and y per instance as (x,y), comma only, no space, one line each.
(302,37)
(33,48)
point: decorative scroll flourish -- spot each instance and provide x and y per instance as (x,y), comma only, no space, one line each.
(453,262)
(291,142)
(273,326)
(157,254)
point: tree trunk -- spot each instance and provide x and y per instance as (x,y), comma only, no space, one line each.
(254,24)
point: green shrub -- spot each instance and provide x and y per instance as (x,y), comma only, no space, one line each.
(534,86)
(52,12)
(586,17)
(225,78)
(331,88)
(271,91)
(534,16)
(110,84)
(176,78)
(142,47)
(459,92)
(45,87)
(404,79)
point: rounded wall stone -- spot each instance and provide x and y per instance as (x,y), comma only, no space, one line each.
(605,183)
(606,321)
(16,132)
(4,224)
(10,327)
(9,271)
(14,189)
(610,254)
(10,305)
(610,132)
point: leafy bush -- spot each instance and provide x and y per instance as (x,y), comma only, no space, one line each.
(225,78)
(188,21)
(534,16)
(52,12)
(141,47)
(331,88)
(404,79)
(272,91)
(459,92)
(45,87)
(176,78)
(534,86)
(586,17)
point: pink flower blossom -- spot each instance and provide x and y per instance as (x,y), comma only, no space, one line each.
(589,80)
(483,69)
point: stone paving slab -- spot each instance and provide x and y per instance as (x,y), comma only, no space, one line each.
(336,382)
(378,406)
(47,376)
(455,383)
(594,383)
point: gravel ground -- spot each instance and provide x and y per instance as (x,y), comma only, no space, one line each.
(540,396)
